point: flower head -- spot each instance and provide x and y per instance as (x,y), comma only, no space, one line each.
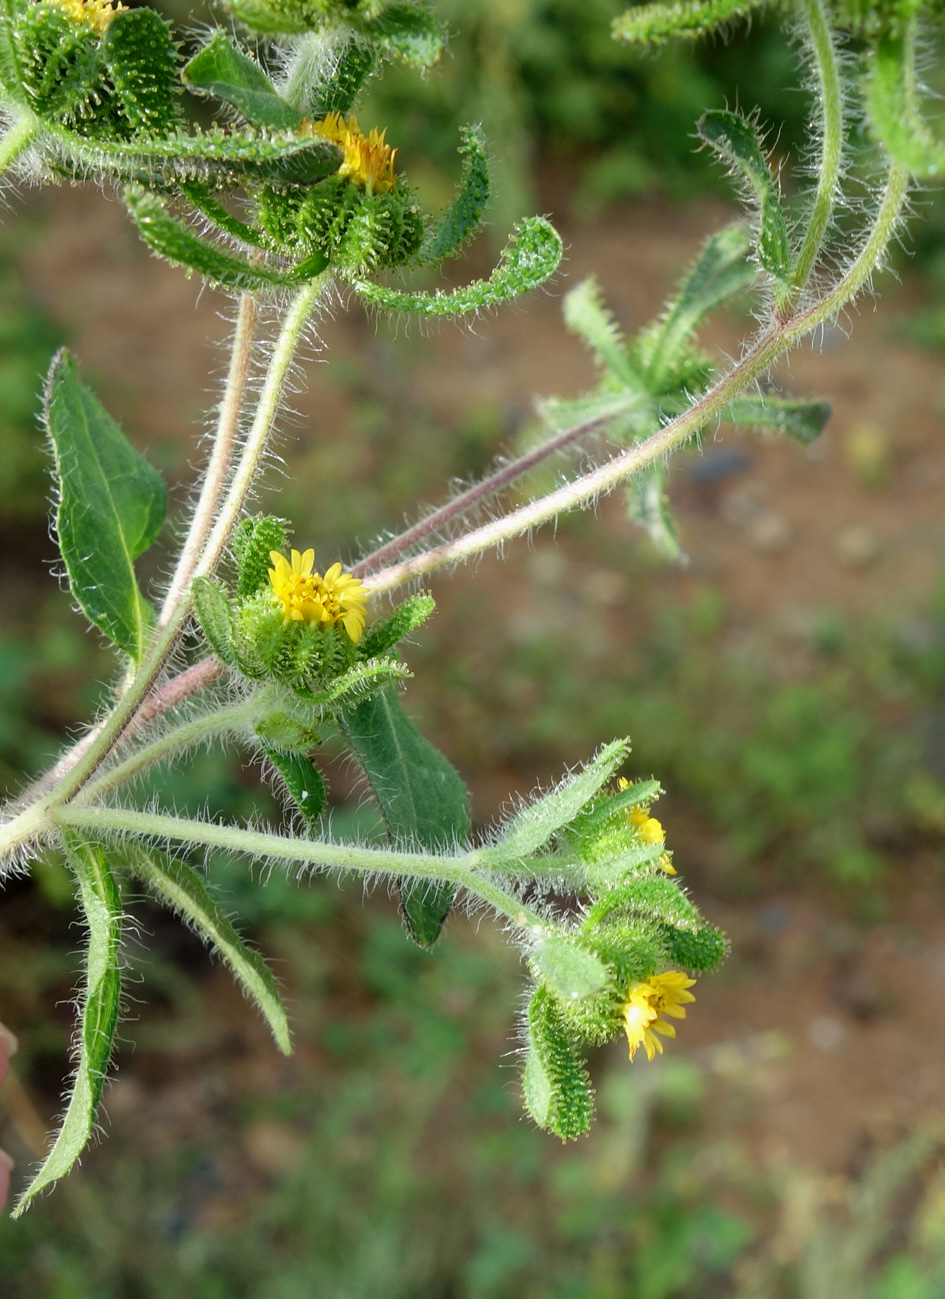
(648,828)
(368,159)
(647,1003)
(96,14)
(307,596)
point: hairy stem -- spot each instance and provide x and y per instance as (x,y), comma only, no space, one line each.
(770,344)
(257,440)
(466,871)
(18,139)
(234,717)
(474,495)
(80,763)
(221,457)
(830,101)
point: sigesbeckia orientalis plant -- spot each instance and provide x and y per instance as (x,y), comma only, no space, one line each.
(288,204)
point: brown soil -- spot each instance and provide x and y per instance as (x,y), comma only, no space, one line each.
(841,1025)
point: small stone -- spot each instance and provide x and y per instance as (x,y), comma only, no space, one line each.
(826,1034)
(741,508)
(859,546)
(868,453)
(770,533)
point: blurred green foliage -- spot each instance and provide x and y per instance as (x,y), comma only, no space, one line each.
(551,87)
(390,1159)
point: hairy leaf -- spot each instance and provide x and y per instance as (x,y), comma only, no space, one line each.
(556,1087)
(98,1005)
(304,783)
(409,32)
(206,156)
(722,269)
(407,616)
(654,24)
(170,238)
(531,255)
(800,418)
(338,92)
(179,887)
(648,506)
(111,507)
(422,799)
(208,205)
(738,143)
(464,215)
(141,58)
(224,70)
(892,103)
(533,825)
(586,316)
(569,971)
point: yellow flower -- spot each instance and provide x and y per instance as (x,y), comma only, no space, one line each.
(307,596)
(649,829)
(96,14)
(368,159)
(343,600)
(647,1003)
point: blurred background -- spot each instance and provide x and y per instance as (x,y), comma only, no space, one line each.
(787,686)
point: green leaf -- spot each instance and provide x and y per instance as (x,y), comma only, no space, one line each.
(253,542)
(556,1087)
(586,316)
(532,826)
(626,414)
(531,255)
(179,887)
(141,59)
(208,205)
(11,72)
(224,70)
(169,238)
(404,619)
(738,143)
(214,616)
(569,971)
(892,105)
(409,32)
(111,507)
(464,215)
(722,269)
(654,24)
(801,419)
(648,506)
(99,1005)
(365,678)
(214,155)
(304,783)
(422,799)
(338,93)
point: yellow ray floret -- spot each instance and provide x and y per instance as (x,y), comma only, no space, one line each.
(647,1003)
(649,829)
(307,596)
(368,159)
(96,14)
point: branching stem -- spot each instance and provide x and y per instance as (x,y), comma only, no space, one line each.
(221,457)
(770,344)
(831,100)
(466,871)
(493,483)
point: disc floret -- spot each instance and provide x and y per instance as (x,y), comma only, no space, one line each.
(307,596)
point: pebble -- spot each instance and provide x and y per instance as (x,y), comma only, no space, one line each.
(859,546)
